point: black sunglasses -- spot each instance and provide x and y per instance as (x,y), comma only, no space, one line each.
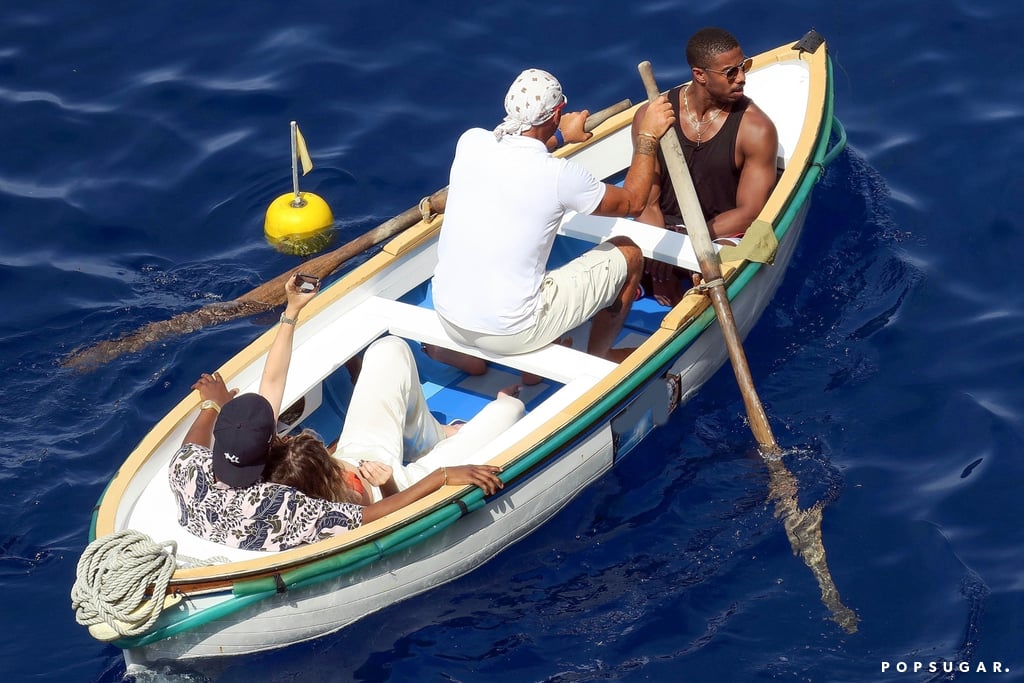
(733,71)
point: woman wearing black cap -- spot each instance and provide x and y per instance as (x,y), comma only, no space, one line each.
(220,491)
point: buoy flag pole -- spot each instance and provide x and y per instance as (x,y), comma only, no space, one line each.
(301,222)
(298,201)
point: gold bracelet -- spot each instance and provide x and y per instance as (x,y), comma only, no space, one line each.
(646,147)
(648,135)
(444,470)
(289,321)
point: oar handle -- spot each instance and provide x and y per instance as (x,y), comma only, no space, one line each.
(602,115)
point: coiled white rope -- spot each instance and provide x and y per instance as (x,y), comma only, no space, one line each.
(115,574)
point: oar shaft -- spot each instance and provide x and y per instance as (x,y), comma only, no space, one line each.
(711,270)
(756,415)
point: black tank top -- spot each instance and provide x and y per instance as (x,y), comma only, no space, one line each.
(712,166)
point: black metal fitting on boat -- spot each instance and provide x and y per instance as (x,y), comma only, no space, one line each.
(811,41)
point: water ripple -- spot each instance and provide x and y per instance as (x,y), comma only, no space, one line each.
(33,96)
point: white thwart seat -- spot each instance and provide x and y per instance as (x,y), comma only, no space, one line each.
(556,362)
(656,243)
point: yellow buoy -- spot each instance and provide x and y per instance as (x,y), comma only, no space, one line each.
(300,227)
(299,223)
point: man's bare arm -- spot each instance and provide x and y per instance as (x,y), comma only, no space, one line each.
(632,198)
(652,212)
(757,146)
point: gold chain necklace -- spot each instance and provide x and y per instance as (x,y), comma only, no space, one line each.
(693,119)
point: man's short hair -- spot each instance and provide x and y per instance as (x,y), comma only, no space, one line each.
(708,43)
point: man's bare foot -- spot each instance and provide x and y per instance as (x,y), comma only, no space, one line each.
(530,379)
(618,355)
(354,365)
(671,289)
(471,365)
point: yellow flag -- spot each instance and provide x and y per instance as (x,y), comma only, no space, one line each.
(300,146)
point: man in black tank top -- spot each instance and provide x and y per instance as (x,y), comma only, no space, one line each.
(730,147)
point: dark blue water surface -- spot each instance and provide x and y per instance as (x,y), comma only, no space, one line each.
(142,143)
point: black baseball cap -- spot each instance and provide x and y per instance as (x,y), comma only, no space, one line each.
(241,440)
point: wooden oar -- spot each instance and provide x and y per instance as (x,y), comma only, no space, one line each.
(270,294)
(711,270)
(803,527)
(259,300)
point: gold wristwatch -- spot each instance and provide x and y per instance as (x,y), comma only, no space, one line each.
(209,404)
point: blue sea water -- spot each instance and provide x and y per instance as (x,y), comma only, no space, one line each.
(142,143)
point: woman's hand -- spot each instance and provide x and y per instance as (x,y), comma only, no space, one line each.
(297,299)
(212,388)
(377,473)
(484,476)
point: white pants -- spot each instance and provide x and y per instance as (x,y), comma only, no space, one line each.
(389,421)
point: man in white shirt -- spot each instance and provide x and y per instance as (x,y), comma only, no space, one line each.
(506,198)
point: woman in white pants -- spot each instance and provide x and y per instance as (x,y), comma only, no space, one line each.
(389,422)
(390,440)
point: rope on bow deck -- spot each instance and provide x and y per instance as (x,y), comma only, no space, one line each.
(121,581)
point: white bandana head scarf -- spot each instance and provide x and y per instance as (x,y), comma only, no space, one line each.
(531,100)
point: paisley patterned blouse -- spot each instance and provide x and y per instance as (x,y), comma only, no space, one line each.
(264,516)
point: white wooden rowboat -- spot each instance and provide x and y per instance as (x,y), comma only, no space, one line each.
(586,414)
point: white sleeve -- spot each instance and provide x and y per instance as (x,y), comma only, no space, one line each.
(578,189)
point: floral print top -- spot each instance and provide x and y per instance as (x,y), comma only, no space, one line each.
(264,516)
